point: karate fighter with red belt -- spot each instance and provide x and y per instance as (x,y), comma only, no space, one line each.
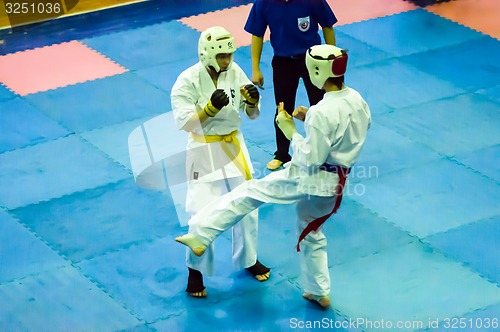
(315,178)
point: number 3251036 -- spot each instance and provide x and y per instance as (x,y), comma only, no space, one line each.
(32,8)
(472,323)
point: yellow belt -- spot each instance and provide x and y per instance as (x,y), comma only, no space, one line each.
(239,159)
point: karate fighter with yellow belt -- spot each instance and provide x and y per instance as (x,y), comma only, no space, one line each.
(206,102)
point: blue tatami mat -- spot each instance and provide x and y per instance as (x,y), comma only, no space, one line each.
(115,216)
(403,88)
(471,65)
(475,244)
(150,279)
(163,76)
(102,102)
(359,52)
(277,310)
(409,32)
(356,232)
(5,94)
(479,320)
(21,125)
(481,161)
(148,46)
(493,93)
(409,283)
(54,169)
(451,126)
(387,151)
(113,140)
(431,198)
(60,300)
(22,253)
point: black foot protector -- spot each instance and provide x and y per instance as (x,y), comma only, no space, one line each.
(195,287)
(259,271)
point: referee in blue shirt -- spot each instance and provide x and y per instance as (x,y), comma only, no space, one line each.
(294,28)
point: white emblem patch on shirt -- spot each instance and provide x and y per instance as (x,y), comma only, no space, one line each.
(304,23)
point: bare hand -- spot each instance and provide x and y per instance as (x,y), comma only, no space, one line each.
(258,79)
(281,108)
(285,122)
(300,113)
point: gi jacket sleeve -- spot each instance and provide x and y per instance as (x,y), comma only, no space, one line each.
(184,99)
(314,149)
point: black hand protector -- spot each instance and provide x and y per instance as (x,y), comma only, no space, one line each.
(219,99)
(253,92)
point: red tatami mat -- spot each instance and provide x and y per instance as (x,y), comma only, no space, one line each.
(53,67)
(353,11)
(233,19)
(480,15)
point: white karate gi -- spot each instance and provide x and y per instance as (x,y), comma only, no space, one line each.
(210,171)
(335,129)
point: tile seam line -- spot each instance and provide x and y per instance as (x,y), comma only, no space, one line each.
(123,248)
(33,144)
(463,226)
(72,84)
(414,238)
(44,241)
(480,309)
(112,296)
(43,201)
(150,117)
(217,11)
(458,162)
(424,103)
(463,264)
(82,139)
(107,156)
(10,90)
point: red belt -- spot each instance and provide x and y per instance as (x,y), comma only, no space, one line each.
(316,223)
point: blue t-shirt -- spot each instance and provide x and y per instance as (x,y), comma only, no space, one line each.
(293,23)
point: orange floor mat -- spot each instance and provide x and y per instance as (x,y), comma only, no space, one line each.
(480,15)
(353,11)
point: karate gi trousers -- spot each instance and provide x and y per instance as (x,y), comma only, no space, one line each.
(244,234)
(278,188)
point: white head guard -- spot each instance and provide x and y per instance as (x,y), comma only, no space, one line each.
(325,61)
(213,41)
